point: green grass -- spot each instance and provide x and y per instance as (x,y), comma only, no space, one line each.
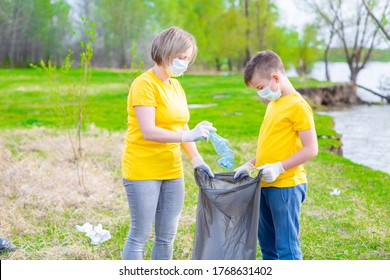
(26,100)
(354,225)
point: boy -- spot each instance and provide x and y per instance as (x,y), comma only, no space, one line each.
(287,139)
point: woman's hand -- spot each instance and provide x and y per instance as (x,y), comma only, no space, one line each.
(199,163)
(201,130)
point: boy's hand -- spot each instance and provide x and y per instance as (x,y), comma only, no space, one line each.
(271,171)
(243,170)
(199,162)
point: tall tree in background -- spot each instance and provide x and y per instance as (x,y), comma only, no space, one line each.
(231,37)
(31,30)
(216,26)
(260,17)
(351,24)
(329,41)
(206,27)
(228,32)
(307,44)
(124,22)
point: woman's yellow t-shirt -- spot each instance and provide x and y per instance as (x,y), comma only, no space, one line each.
(149,160)
(279,138)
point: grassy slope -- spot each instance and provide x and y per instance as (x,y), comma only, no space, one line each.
(354,225)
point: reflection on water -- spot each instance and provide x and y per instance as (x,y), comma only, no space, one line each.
(365,134)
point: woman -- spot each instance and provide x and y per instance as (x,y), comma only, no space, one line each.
(151,163)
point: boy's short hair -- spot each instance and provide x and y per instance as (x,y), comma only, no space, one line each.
(171,43)
(264,63)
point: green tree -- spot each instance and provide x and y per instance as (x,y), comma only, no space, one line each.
(31,30)
(231,37)
(261,19)
(124,22)
(307,46)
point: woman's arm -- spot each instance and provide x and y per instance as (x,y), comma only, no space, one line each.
(146,120)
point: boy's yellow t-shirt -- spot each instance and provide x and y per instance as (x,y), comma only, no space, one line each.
(149,160)
(279,139)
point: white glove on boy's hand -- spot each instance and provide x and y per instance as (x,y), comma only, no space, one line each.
(199,162)
(271,171)
(244,169)
(201,130)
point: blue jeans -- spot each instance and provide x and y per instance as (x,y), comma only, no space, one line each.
(158,201)
(279,222)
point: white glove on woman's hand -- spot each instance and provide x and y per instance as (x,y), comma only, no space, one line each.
(243,170)
(271,171)
(199,162)
(201,130)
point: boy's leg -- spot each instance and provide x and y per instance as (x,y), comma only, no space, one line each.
(285,205)
(168,212)
(142,199)
(266,232)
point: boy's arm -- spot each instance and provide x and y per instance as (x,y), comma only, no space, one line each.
(309,150)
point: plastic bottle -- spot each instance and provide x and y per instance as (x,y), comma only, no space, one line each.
(221,146)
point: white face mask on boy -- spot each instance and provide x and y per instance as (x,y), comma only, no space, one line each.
(177,68)
(268,94)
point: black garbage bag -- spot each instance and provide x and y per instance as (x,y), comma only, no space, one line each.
(227,217)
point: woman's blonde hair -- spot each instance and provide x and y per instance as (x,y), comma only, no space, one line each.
(171,43)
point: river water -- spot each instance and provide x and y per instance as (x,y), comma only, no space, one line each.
(365,129)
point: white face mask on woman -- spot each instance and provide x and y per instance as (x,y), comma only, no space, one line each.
(268,94)
(177,68)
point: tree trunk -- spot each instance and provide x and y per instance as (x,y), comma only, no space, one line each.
(14,30)
(327,75)
(230,64)
(247,33)
(217,64)
(326,54)
(354,74)
(262,26)
(122,59)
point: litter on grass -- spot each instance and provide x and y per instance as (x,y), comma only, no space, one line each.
(335,192)
(96,233)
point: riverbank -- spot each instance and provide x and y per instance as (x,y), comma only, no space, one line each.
(42,202)
(370,76)
(336,94)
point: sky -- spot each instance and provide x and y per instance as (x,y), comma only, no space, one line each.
(290,15)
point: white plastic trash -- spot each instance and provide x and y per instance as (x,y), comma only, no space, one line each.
(335,192)
(96,233)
